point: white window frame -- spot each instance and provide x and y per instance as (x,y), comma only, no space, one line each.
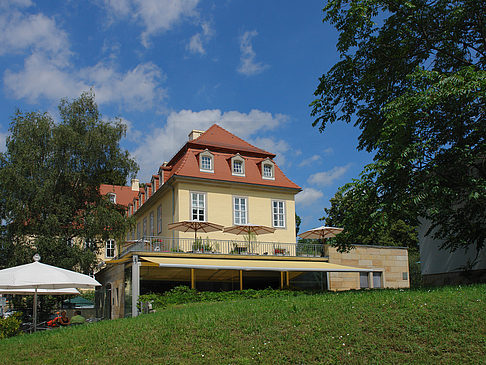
(144,227)
(152,224)
(112,197)
(268,162)
(159,219)
(277,214)
(238,158)
(237,214)
(192,208)
(138,231)
(110,248)
(209,155)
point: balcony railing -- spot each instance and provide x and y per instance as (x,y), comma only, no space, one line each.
(226,247)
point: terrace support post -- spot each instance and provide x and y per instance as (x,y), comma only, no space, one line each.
(241,280)
(281,279)
(193,279)
(287,279)
(135,284)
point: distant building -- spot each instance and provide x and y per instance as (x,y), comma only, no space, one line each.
(442,267)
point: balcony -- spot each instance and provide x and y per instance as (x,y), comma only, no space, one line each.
(222,247)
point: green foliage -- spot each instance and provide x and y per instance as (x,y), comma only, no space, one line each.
(183,295)
(200,245)
(49,185)
(438,326)
(298,221)
(412,78)
(10,326)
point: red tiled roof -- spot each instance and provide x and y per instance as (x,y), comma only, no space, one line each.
(223,146)
(124,194)
(220,138)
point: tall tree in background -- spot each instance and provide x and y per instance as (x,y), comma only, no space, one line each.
(412,78)
(49,185)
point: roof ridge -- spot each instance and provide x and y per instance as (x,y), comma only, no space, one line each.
(215,126)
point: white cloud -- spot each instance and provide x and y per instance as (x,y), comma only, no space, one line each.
(160,144)
(248,65)
(326,178)
(20,33)
(310,160)
(280,148)
(198,40)
(40,78)
(156,16)
(308,196)
(3,141)
(48,72)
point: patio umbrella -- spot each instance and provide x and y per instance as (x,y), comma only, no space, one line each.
(249,229)
(195,226)
(66,291)
(41,276)
(321,233)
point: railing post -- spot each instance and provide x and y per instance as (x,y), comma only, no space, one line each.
(135,284)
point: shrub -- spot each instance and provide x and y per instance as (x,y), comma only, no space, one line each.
(183,295)
(10,326)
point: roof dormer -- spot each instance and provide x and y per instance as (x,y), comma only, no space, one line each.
(237,165)
(268,169)
(206,161)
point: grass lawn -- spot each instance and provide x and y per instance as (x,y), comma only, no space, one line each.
(440,326)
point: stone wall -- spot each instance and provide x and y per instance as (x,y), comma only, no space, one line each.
(391,262)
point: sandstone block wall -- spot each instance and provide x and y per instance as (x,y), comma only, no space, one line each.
(391,262)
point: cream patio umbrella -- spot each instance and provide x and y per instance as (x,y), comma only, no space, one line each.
(195,226)
(249,229)
(41,276)
(321,233)
(66,291)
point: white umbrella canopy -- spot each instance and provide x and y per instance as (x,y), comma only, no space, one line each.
(41,276)
(66,291)
(321,233)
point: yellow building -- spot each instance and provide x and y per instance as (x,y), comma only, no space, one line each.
(218,178)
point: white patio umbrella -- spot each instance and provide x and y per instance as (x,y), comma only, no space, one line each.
(66,291)
(41,276)
(321,233)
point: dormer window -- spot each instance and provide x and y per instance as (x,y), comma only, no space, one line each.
(238,165)
(206,161)
(112,197)
(268,170)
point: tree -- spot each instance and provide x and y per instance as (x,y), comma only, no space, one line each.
(357,207)
(49,185)
(412,77)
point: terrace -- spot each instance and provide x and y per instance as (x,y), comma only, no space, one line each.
(222,247)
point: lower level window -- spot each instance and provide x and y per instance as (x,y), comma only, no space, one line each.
(110,248)
(240,211)
(278,213)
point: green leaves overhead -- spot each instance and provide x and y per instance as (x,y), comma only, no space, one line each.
(412,77)
(49,183)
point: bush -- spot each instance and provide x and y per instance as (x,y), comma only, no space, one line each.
(183,295)
(10,326)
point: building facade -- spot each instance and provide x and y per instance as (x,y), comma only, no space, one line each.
(217,177)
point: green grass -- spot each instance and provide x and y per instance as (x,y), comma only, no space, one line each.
(440,326)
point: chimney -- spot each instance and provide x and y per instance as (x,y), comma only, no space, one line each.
(135,185)
(195,134)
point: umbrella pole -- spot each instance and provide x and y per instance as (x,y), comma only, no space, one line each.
(35,309)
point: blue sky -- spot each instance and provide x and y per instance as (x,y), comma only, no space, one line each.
(169,66)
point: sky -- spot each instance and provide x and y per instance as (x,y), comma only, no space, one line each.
(166,67)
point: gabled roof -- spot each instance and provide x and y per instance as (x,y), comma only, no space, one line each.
(124,194)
